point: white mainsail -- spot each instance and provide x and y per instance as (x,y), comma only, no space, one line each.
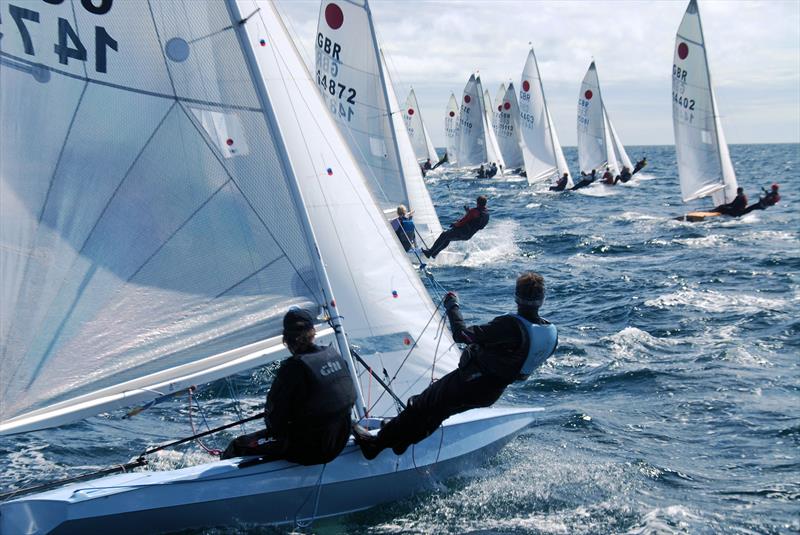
(152,234)
(592,138)
(541,150)
(385,304)
(492,147)
(372,119)
(420,139)
(704,164)
(451,129)
(471,120)
(507,127)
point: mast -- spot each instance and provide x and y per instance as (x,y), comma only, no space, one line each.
(603,107)
(238,22)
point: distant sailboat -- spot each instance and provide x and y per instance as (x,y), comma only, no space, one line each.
(131,275)
(471,126)
(417,131)
(372,123)
(541,150)
(704,164)
(599,145)
(506,126)
(451,129)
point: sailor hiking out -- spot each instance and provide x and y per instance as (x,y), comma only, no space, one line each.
(507,349)
(463,229)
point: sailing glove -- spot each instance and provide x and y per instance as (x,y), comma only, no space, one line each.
(450,301)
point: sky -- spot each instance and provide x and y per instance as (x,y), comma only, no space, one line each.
(434,45)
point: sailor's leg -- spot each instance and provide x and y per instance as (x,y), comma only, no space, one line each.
(258,443)
(441,242)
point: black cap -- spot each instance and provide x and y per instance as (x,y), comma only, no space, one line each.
(297,321)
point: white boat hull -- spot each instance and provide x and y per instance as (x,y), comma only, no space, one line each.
(221,493)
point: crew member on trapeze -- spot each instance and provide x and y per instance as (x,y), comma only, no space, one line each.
(507,349)
(309,405)
(585,180)
(561,185)
(463,229)
(639,165)
(404,228)
(736,207)
(770,198)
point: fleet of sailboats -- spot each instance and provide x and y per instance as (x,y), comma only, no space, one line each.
(163,272)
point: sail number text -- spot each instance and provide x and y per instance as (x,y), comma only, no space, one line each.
(341,98)
(69,45)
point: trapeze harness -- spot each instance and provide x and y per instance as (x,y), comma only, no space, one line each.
(542,342)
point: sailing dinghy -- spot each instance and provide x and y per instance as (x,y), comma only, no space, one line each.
(704,163)
(599,145)
(417,131)
(492,146)
(543,157)
(133,273)
(506,126)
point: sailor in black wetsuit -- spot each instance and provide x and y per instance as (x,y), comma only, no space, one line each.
(585,180)
(309,405)
(639,165)
(463,229)
(507,349)
(561,184)
(481,172)
(736,207)
(770,198)
(624,176)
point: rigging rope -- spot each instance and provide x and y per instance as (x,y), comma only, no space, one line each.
(211,451)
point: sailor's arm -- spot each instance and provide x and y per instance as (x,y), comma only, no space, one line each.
(490,332)
(287,390)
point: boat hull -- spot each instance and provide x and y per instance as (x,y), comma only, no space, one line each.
(222,493)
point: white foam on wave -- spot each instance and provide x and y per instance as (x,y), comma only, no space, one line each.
(631,342)
(634,216)
(713,240)
(713,301)
(664,520)
(598,190)
(495,242)
(533,205)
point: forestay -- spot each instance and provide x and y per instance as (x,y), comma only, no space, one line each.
(420,140)
(451,129)
(592,149)
(507,127)
(386,308)
(150,236)
(704,164)
(471,120)
(540,148)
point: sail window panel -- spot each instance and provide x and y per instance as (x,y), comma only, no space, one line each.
(225,131)
(214,70)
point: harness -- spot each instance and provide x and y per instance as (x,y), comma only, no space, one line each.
(542,342)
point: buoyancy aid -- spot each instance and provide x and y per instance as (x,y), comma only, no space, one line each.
(331,388)
(542,341)
(478,223)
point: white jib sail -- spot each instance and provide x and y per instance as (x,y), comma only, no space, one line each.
(611,154)
(540,148)
(420,141)
(471,120)
(561,161)
(592,152)
(704,164)
(507,127)
(385,305)
(425,218)
(492,147)
(619,149)
(451,129)
(151,235)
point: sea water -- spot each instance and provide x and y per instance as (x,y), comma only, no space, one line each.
(672,403)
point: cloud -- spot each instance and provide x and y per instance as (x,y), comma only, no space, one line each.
(753,49)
